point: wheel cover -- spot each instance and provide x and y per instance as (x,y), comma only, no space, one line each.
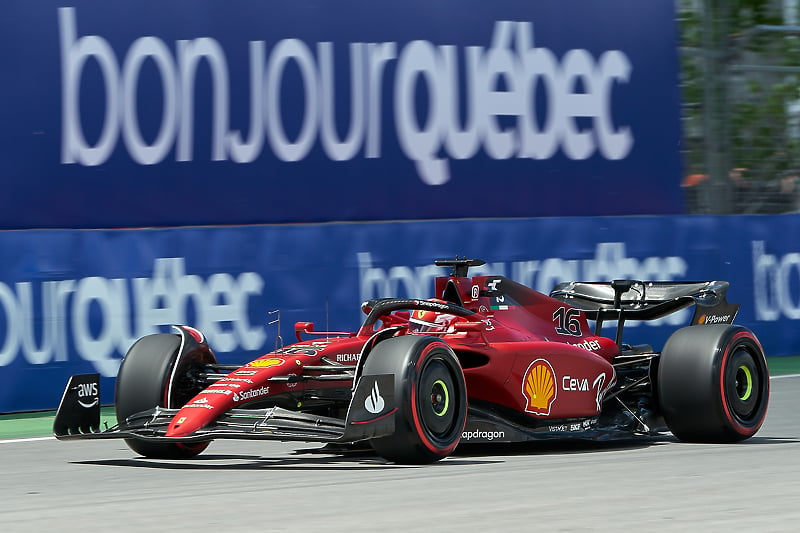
(743,385)
(436,389)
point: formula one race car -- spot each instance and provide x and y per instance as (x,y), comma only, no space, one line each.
(486,360)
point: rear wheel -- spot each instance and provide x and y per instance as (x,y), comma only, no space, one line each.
(143,382)
(431,396)
(713,383)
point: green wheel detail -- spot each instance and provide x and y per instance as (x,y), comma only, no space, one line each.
(744,383)
(440,398)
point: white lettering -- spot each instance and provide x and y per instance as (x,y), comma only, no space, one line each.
(239,150)
(377,283)
(610,261)
(87,390)
(419,59)
(774,278)
(199,405)
(491,106)
(336,149)
(590,345)
(241,396)
(576,384)
(140,151)
(285,50)
(97,348)
(36,355)
(90,315)
(500,65)
(74,54)
(189,55)
(485,435)
(378,55)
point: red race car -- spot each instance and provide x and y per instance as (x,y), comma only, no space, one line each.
(486,360)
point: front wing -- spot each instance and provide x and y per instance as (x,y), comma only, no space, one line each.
(78,417)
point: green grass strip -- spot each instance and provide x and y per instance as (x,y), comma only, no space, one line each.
(40,424)
(784,365)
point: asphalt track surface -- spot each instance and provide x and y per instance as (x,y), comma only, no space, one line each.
(651,485)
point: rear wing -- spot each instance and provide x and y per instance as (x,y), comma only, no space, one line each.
(648,300)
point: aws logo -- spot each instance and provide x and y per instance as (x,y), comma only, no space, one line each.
(88,394)
(539,387)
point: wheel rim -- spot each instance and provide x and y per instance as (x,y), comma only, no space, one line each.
(743,385)
(436,392)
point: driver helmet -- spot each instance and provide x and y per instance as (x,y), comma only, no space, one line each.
(425,321)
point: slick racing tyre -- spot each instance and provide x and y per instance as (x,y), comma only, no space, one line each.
(713,383)
(142,384)
(431,396)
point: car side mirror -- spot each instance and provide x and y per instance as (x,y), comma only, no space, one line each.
(303,327)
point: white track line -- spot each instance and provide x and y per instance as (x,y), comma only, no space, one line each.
(32,439)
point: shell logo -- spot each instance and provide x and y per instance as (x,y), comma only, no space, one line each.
(539,387)
(265,363)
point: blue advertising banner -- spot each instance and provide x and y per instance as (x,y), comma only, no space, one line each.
(192,112)
(73,301)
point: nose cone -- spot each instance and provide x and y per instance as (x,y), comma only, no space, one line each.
(250,382)
(198,413)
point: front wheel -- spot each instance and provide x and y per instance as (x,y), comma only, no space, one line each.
(145,380)
(431,396)
(713,383)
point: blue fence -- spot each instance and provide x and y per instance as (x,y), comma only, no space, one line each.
(194,112)
(73,301)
